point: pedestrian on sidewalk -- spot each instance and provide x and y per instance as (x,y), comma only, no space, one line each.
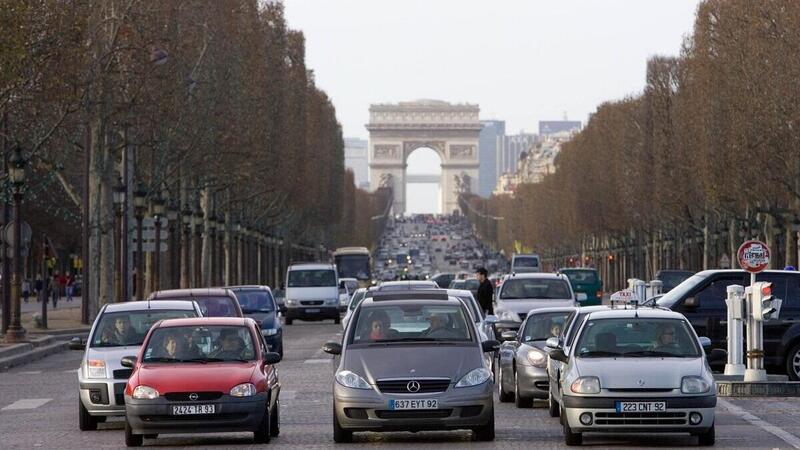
(70,286)
(61,282)
(26,289)
(52,289)
(38,285)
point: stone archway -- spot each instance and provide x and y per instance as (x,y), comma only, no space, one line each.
(396,130)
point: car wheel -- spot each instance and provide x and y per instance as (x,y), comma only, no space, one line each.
(262,434)
(570,438)
(552,406)
(337,320)
(275,420)
(707,438)
(504,396)
(280,350)
(486,432)
(519,400)
(132,440)
(289,321)
(340,435)
(793,363)
(85,421)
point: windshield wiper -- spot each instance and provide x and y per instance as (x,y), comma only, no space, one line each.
(598,353)
(163,359)
(656,353)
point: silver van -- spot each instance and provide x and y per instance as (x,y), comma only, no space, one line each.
(312,292)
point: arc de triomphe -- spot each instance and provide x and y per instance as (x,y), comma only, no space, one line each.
(396,130)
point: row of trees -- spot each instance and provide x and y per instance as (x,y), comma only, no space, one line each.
(678,176)
(208,105)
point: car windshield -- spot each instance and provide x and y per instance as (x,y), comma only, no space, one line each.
(312,278)
(636,337)
(540,327)
(255,300)
(581,276)
(411,322)
(530,261)
(668,299)
(217,306)
(183,344)
(535,288)
(118,329)
(357,297)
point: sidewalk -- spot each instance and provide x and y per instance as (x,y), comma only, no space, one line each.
(34,306)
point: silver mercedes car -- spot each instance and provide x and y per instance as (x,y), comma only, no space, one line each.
(412,361)
(118,331)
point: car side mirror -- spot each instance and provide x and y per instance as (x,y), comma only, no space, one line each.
(704,341)
(128,361)
(491,319)
(509,335)
(490,346)
(332,348)
(272,358)
(716,355)
(691,303)
(76,343)
(552,343)
(558,355)
(581,297)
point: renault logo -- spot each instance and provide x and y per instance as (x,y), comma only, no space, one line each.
(193,396)
(640,382)
(413,386)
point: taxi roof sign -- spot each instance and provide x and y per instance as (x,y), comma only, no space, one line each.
(624,296)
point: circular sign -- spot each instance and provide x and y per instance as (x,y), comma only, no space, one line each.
(753,256)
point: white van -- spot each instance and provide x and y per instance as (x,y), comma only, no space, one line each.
(312,292)
(525,263)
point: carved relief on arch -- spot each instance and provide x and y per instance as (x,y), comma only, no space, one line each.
(438,146)
(460,151)
(383,151)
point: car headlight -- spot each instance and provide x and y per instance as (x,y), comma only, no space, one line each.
(96,368)
(269,331)
(474,377)
(694,385)
(333,301)
(145,393)
(243,390)
(508,316)
(352,380)
(586,385)
(537,357)
(290,302)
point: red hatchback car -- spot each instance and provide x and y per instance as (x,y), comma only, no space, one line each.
(202,375)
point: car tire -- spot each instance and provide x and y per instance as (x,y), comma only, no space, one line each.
(280,350)
(505,397)
(262,434)
(519,400)
(289,321)
(485,433)
(570,438)
(85,421)
(708,438)
(275,419)
(337,320)
(793,363)
(132,440)
(552,406)
(340,435)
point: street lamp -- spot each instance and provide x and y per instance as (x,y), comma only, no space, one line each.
(139,204)
(158,212)
(16,173)
(120,274)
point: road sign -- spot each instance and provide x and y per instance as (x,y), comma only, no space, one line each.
(753,256)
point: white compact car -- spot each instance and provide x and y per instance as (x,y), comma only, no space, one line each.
(118,331)
(523,292)
(636,370)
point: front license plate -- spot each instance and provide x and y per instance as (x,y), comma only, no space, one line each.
(396,405)
(312,310)
(641,407)
(192,409)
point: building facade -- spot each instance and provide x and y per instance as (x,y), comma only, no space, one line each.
(547,127)
(356,158)
(510,148)
(489,141)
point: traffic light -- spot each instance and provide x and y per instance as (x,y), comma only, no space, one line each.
(764,304)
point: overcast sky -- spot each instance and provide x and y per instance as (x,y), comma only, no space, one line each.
(521,60)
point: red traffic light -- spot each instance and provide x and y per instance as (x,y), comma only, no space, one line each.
(766,289)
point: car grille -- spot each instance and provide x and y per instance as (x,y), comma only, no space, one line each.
(423,414)
(640,418)
(122,374)
(313,303)
(184,396)
(641,390)
(425,386)
(522,316)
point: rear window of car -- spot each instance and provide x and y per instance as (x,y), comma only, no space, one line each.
(528,261)
(534,288)
(581,276)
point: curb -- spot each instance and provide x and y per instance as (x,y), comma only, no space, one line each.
(32,355)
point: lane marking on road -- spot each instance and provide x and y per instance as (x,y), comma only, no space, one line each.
(317,361)
(26,403)
(29,372)
(71,370)
(784,435)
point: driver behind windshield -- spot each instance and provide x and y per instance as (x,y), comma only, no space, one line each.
(665,338)
(231,346)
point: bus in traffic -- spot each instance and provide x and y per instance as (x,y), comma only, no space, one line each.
(354,262)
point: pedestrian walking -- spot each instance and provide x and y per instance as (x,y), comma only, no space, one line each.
(61,284)
(26,289)
(52,289)
(485,291)
(70,286)
(38,285)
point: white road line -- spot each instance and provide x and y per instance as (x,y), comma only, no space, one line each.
(70,370)
(26,403)
(29,372)
(317,361)
(787,437)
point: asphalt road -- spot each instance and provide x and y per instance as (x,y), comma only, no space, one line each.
(38,409)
